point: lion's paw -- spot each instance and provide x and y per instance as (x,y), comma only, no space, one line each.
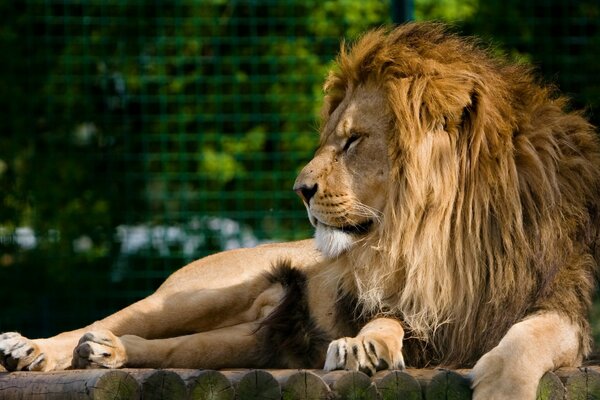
(17,353)
(99,349)
(361,354)
(495,377)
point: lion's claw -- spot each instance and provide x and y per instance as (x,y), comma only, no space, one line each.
(17,353)
(360,354)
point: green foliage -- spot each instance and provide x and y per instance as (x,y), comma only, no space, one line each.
(220,167)
(127,114)
(346,18)
(445,10)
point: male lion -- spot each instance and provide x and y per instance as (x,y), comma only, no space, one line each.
(455,204)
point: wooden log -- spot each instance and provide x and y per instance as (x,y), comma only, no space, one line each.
(550,388)
(571,383)
(397,385)
(97,384)
(206,384)
(160,384)
(256,384)
(581,383)
(351,385)
(593,381)
(423,376)
(449,385)
(301,385)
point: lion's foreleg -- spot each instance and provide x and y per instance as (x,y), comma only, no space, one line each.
(178,312)
(377,346)
(163,314)
(222,319)
(233,346)
(529,349)
(210,293)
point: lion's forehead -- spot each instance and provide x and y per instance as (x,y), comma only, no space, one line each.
(364,109)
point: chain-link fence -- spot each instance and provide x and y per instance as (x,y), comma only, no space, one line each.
(138,136)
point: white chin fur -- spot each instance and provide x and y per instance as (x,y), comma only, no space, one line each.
(332,242)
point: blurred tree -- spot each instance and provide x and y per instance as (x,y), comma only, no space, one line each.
(129,114)
(445,10)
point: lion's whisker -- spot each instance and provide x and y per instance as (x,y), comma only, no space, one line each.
(363,210)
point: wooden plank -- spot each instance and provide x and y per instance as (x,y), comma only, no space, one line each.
(96,384)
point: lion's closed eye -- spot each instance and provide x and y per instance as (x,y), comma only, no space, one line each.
(351,142)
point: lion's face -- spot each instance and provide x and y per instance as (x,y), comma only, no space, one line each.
(344,186)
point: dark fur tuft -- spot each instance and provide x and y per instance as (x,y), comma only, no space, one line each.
(290,337)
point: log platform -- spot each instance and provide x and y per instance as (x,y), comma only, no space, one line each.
(150,384)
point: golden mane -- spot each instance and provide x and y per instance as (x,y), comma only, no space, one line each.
(491,201)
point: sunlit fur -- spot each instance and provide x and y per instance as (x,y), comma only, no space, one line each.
(492,201)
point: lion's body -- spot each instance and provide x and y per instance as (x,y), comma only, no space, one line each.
(455,203)
(495,194)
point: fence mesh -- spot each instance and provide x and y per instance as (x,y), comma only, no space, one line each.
(139,136)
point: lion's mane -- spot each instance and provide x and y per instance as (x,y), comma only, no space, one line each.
(491,212)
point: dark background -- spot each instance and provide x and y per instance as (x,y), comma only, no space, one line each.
(137,136)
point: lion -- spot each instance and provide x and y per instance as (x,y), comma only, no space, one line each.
(455,205)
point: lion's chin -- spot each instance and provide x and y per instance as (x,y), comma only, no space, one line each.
(332,242)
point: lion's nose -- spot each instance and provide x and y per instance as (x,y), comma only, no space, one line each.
(306,192)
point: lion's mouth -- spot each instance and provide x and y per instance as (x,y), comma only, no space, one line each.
(357,229)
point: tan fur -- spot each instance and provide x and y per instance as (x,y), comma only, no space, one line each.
(220,295)
(531,347)
(454,199)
